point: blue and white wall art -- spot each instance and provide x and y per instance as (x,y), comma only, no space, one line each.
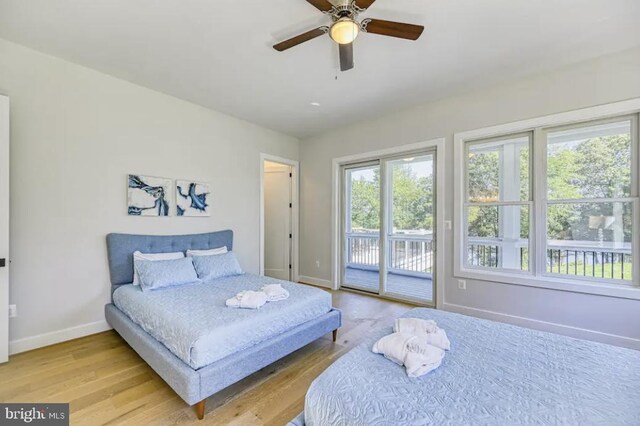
(148,196)
(192,198)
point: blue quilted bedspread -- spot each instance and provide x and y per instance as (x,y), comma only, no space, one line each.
(193,322)
(495,374)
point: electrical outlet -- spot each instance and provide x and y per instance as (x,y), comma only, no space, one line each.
(13,311)
(318,264)
(462,284)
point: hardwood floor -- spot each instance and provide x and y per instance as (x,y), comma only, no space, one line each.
(106,382)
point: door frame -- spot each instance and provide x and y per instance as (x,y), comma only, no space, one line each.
(295,225)
(4,223)
(336,208)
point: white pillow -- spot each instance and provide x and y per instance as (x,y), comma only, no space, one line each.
(152,256)
(211,252)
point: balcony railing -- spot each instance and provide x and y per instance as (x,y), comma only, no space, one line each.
(489,253)
(598,264)
(581,258)
(411,253)
(407,254)
(414,255)
(363,250)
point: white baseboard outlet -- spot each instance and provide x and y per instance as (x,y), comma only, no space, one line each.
(41,340)
(315,281)
(566,330)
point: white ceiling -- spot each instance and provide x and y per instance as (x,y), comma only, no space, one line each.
(217,53)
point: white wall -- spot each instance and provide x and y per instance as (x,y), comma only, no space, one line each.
(607,79)
(75,135)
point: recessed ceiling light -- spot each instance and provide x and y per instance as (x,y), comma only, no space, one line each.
(315,104)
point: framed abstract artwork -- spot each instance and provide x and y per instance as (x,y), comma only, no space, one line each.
(148,196)
(192,198)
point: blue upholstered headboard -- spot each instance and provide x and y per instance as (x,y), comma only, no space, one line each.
(120,248)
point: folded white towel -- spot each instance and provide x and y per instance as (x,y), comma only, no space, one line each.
(418,357)
(438,339)
(418,364)
(427,331)
(415,325)
(248,300)
(275,292)
(394,347)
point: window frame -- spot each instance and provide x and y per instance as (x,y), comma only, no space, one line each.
(632,198)
(537,276)
(529,202)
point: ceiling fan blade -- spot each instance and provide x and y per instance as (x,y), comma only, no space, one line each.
(309,35)
(392,29)
(346,56)
(364,4)
(321,5)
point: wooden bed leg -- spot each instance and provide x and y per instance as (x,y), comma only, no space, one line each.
(200,409)
(335,334)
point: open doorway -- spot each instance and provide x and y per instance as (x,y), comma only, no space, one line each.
(279,218)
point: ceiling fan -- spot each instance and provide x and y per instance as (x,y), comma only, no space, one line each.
(346,27)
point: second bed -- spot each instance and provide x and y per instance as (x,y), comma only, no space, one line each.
(494,374)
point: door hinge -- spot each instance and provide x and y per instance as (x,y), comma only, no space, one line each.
(289,266)
(290,236)
(290,205)
(290,174)
(3,263)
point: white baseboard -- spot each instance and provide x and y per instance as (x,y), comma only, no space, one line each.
(315,281)
(46,339)
(567,330)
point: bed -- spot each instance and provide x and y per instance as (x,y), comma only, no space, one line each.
(494,374)
(187,334)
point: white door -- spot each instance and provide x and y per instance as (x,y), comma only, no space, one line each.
(277,220)
(4,228)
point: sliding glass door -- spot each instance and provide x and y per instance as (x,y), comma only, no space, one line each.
(361,238)
(409,231)
(388,243)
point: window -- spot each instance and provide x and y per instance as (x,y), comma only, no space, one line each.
(589,205)
(498,203)
(552,203)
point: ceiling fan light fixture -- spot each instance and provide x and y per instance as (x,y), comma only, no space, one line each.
(344,31)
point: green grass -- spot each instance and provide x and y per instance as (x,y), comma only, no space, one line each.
(596,271)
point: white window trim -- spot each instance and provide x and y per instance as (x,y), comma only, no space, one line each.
(555,282)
